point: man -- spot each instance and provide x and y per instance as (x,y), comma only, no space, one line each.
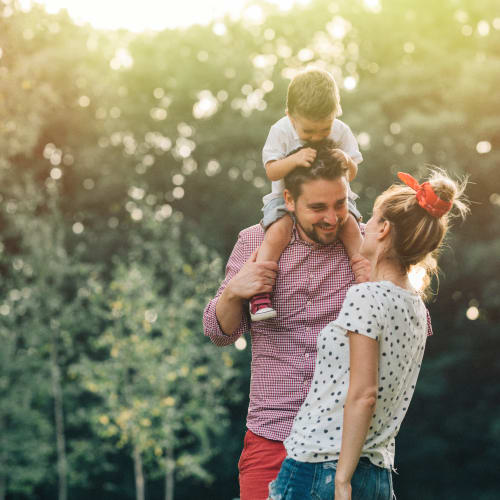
(310,284)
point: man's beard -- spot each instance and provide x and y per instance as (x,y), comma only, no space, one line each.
(314,235)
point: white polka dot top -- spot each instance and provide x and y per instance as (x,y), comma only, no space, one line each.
(397,319)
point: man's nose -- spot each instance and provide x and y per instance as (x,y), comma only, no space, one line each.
(331,217)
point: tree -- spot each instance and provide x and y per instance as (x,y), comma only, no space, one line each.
(162,393)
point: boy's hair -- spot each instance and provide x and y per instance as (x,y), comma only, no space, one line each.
(325,166)
(313,94)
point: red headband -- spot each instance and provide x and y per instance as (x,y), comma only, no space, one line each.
(426,196)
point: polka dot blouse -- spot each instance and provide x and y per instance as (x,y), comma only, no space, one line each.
(397,319)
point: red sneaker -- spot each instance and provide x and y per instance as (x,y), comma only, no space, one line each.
(261,307)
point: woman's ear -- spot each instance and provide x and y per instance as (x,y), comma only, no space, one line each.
(289,201)
(384,230)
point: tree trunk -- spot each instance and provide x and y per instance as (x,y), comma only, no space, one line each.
(62,463)
(3,466)
(3,478)
(169,474)
(3,487)
(139,475)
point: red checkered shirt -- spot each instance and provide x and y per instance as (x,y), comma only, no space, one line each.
(310,288)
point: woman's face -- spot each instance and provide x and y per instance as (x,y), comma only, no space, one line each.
(373,229)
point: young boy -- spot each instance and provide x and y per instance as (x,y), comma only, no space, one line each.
(312,107)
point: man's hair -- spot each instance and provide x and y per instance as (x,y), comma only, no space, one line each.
(313,94)
(325,166)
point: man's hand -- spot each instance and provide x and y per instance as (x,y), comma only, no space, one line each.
(304,157)
(253,278)
(361,268)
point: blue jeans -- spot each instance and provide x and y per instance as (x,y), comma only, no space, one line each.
(316,481)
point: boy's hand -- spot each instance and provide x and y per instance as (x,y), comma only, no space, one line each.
(340,155)
(305,157)
(348,162)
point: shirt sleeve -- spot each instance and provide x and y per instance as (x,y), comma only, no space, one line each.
(211,327)
(275,146)
(349,144)
(360,313)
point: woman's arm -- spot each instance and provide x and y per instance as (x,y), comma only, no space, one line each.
(358,410)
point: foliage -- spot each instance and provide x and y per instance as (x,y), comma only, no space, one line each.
(128,162)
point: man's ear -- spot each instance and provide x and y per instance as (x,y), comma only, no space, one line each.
(289,201)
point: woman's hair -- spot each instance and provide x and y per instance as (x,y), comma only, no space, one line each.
(416,234)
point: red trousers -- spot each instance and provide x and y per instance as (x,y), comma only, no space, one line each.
(259,464)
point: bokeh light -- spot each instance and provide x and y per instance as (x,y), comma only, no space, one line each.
(240,344)
(472,313)
(153,15)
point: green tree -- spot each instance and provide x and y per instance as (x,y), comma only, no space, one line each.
(163,394)
(25,429)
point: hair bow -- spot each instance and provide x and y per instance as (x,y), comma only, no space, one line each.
(426,196)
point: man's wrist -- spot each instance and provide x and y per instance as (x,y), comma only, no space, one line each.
(230,296)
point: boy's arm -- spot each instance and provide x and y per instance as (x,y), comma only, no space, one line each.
(277,169)
(348,143)
(348,161)
(352,168)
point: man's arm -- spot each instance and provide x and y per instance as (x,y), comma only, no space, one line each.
(253,278)
(225,318)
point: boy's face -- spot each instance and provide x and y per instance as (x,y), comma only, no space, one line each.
(312,130)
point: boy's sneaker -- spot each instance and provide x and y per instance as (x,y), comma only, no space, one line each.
(261,307)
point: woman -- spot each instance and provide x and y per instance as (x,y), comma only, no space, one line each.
(368,360)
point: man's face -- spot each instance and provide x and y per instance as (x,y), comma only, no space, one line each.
(312,130)
(320,209)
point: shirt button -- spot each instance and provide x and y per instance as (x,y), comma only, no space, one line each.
(307,355)
(308,329)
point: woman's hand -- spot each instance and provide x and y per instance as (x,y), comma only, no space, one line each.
(342,491)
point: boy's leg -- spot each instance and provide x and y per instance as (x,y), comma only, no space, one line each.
(352,239)
(259,464)
(351,236)
(276,239)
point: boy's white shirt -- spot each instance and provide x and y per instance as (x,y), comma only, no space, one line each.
(283,139)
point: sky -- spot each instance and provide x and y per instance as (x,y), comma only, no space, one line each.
(141,15)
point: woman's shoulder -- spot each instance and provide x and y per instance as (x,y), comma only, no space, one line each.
(368,290)
(378,296)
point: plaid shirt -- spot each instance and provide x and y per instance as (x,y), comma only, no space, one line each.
(310,289)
